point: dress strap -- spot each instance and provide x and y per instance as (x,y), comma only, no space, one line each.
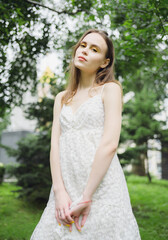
(102,89)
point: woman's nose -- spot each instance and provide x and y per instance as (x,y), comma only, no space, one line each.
(84,51)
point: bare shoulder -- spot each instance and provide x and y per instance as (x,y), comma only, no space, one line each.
(59,96)
(112,97)
(112,87)
(111,90)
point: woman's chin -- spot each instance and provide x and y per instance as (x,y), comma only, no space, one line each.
(82,68)
(86,69)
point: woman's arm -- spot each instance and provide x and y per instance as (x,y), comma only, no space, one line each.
(62,199)
(57,180)
(110,139)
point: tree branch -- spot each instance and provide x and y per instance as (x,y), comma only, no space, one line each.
(158,15)
(51,9)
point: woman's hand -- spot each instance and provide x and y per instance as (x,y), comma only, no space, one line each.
(80,209)
(62,211)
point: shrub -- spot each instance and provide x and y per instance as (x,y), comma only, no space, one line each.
(2,172)
(33,171)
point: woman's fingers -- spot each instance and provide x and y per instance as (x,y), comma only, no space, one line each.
(70,228)
(76,211)
(62,217)
(68,216)
(56,215)
(84,217)
(77,223)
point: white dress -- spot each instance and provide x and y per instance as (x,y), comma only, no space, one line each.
(111,216)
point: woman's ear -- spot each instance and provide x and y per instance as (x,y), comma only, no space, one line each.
(105,63)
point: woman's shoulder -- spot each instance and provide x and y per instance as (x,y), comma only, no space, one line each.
(58,97)
(113,92)
(61,94)
(112,86)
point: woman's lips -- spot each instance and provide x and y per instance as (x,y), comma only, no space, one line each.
(82,58)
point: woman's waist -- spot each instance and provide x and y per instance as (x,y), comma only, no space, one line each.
(81,131)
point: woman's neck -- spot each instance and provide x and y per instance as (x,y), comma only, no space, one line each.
(86,80)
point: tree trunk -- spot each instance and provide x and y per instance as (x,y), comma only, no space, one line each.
(139,169)
(164,160)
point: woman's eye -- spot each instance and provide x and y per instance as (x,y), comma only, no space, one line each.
(94,49)
(82,45)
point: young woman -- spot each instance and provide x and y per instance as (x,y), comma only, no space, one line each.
(89,189)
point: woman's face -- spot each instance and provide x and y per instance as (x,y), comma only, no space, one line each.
(90,55)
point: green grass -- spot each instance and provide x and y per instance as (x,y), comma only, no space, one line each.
(17,217)
(150,206)
(149,202)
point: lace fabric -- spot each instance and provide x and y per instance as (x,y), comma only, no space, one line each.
(75,203)
(111,216)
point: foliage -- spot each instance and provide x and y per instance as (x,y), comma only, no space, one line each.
(149,203)
(10,170)
(33,172)
(143,106)
(28,35)
(142,127)
(2,172)
(5,121)
(43,109)
(33,153)
(18,27)
(139,32)
(17,216)
(141,27)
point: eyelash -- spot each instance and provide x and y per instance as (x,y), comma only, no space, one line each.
(94,50)
(83,45)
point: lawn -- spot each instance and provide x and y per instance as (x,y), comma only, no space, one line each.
(150,206)
(17,217)
(149,201)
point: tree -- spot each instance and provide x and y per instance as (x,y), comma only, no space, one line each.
(18,23)
(140,125)
(164,143)
(138,30)
(28,35)
(139,33)
(33,153)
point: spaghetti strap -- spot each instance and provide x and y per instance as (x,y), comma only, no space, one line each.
(102,89)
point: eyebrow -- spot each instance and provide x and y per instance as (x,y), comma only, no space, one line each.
(93,45)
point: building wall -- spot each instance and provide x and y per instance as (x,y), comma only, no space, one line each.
(10,139)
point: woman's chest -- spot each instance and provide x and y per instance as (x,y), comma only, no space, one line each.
(89,114)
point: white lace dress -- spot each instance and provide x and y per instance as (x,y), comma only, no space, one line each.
(111,216)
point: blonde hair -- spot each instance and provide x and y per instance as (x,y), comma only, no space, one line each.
(103,75)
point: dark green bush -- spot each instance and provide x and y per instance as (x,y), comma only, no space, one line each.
(10,170)
(33,171)
(2,172)
(33,152)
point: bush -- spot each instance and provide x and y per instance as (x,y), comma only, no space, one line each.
(2,172)
(10,170)
(33,152)
(33,171)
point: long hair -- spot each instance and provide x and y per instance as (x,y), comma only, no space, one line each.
(103,75)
